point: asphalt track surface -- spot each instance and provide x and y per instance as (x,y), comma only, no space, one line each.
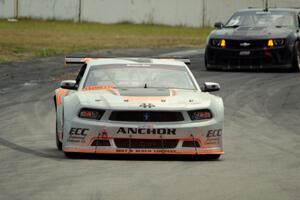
(261,140)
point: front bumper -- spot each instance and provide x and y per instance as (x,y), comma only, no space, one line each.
(140,138)
(263,58)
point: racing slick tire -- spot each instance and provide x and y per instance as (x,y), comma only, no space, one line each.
(209,68)
(71,155)
(213,156)
(296,58)
(58,143)
(205,63)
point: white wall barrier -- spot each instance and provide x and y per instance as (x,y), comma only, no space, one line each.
(195,13)
(49,9)
(7,8)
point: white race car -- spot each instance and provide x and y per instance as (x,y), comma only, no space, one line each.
(138,106)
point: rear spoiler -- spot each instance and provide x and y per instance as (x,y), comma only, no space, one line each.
(82,60)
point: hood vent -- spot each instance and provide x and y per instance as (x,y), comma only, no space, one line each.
(145,92)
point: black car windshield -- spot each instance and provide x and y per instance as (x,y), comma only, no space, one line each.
(139,76)
(262,18)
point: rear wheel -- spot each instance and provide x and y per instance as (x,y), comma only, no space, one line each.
(296,57)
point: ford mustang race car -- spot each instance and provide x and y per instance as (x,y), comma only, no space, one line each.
(256,38)
(137,106)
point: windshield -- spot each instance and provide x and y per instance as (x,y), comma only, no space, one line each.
(254,18)
(139,76)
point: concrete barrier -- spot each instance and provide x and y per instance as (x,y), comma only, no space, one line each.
(194,13)
(7,9)
(170,12)
(49,9)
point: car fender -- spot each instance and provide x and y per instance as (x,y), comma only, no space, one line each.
(217,108)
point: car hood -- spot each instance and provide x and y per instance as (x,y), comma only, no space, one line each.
(144,99)
(252,33)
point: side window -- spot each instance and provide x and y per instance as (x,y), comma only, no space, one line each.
(299,20)
(80,74)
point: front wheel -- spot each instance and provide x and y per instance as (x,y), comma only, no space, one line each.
(213,156)
(71,155)
(206,64)
(58,143)
(208,67)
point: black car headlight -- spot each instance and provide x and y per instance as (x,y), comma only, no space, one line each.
(215,42)
(279,42)
(200,114)
(276,42)
(89,113)
(218,43)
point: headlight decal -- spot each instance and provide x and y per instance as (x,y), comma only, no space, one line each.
(89,113)
(196,115)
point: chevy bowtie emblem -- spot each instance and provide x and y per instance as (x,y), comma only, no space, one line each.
(147,105)
(245,44)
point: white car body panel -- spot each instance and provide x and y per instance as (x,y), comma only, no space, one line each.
(77,134)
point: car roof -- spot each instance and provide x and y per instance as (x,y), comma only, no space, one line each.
(136,61)
(296,10)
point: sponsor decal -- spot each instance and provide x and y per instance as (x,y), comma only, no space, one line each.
(214,136)
(159,131)
(77,135)
(103,133)
(214,133)
(145,151)
(78,131)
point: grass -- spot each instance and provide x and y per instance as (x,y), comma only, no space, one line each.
(35,38)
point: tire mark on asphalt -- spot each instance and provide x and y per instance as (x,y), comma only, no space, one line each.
(27,150)
(23,102)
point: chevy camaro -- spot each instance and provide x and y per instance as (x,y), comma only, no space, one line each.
(256,39)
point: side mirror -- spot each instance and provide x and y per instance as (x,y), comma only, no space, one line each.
(68,84)
(219,25)
(210,87)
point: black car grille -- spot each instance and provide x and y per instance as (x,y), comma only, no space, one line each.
(246,44)
(257,58)
(146,116)
(190,144)
(146,143)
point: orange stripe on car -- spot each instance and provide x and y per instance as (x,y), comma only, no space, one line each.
(97,87)
(150,98)
(173,92)
(86,59)
(59,93)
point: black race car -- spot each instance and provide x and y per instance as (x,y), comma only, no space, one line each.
(256,38)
